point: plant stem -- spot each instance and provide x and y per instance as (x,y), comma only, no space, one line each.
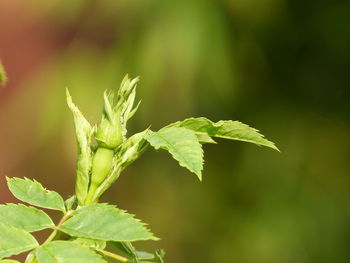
(54,232)
(112,255)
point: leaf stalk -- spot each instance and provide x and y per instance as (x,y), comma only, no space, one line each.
(112,255)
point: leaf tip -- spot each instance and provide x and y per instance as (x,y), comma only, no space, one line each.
(273,146)
(69,99)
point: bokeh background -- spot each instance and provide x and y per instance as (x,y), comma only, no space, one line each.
(281,66)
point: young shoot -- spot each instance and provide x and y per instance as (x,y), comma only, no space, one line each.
(105,150)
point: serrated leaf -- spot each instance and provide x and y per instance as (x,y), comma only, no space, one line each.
(67,252)
(34,193)
(14,241)
(233,130)
(183,145)
(25,217)
(84,132)
(106,222)
(88,242)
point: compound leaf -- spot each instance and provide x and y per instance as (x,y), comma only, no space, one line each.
(25,217)
(233,130)
(34,193)
(14,241)
(67,252)
(106,222)
(182,144)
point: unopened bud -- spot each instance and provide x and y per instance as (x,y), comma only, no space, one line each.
(109,133)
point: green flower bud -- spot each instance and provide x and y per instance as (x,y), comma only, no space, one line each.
(101,167)
(109,133)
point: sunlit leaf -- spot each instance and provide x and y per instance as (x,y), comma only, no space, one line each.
(24,217)
(233,130)
(67,252)
(34,193)
(14,241)
(182,144)
(106,222)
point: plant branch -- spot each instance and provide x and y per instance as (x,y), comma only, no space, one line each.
(54,232)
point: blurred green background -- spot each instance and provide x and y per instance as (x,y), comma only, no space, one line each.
(281,66)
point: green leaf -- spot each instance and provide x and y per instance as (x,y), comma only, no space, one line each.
(233,130)
(88,242)
(106,222)
(25,217)
(84,134)
(70,202)
(132,149)
(205,138)
(14,241)
(34,193)
(9,261)
(128,249)
(183,145)
(67,252)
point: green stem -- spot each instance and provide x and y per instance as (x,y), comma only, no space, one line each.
(90,196)
(55,231)
(112,255)
(30,258)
